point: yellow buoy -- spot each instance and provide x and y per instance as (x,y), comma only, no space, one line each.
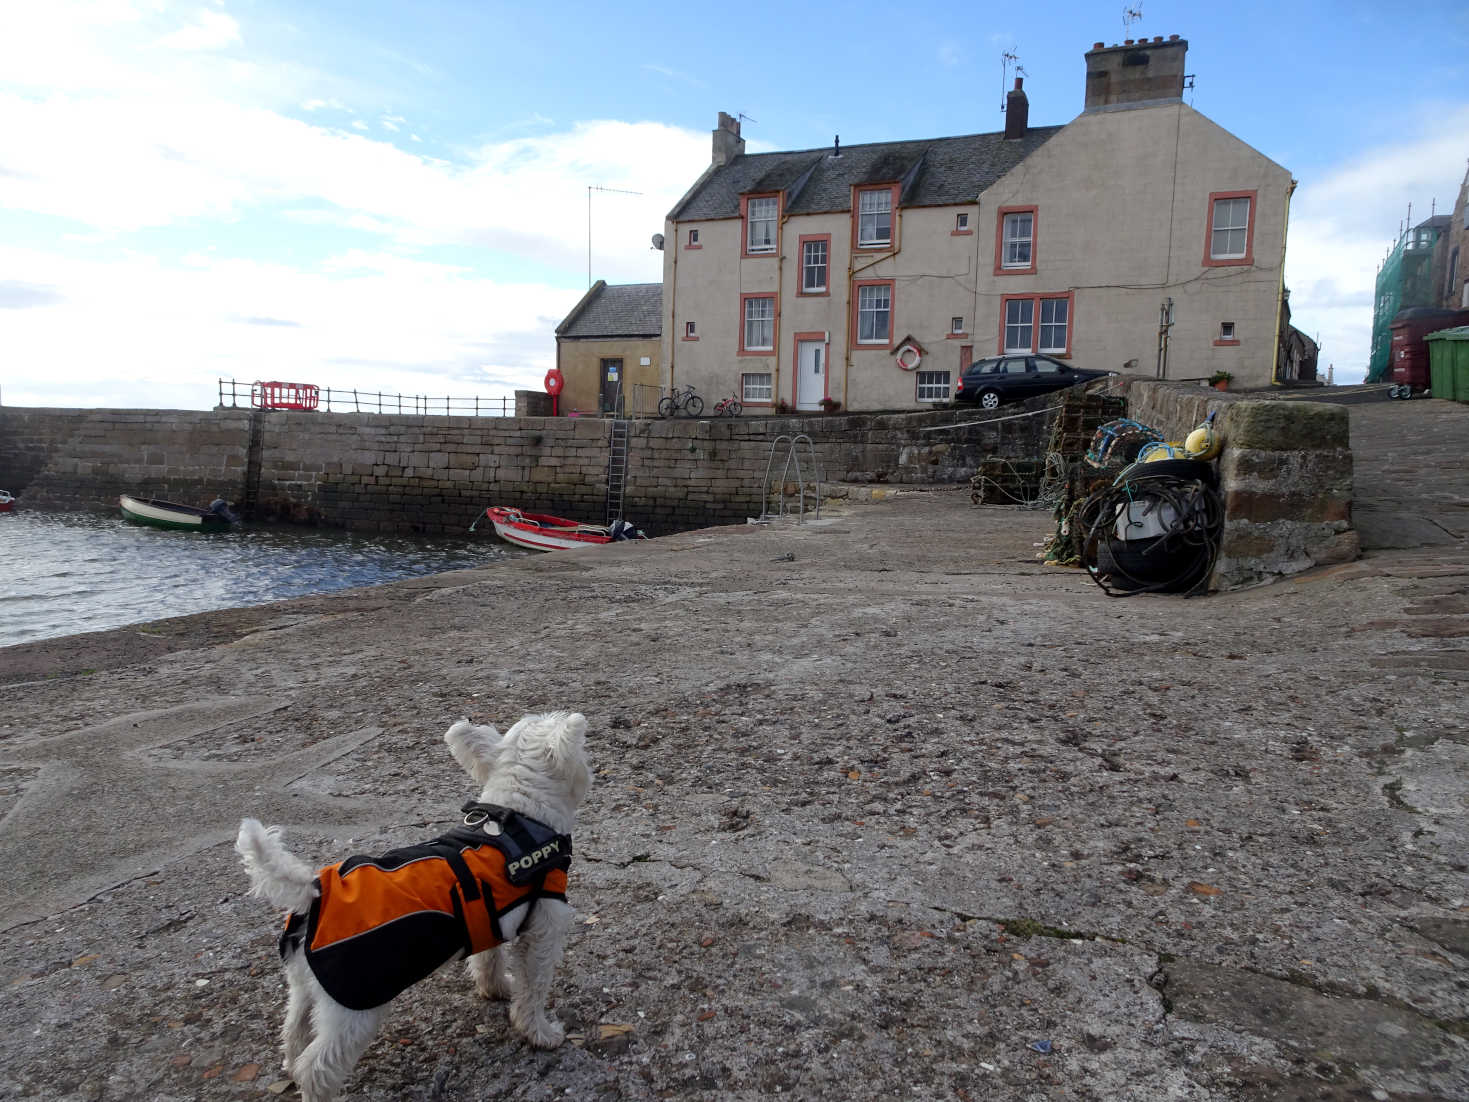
(1203,442)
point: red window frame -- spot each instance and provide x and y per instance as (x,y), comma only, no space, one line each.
(745,223)
(690,330)
(968,230)
(690,242)
(801,291)
(1035,322)
(1035,236)
(852,341)
(892,243)
(774,325)
(1237,262)
(751,403)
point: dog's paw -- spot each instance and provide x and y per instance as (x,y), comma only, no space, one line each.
(537,1027)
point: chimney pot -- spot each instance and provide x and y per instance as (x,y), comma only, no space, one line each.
(1157,38)
(1173,38)
(1097,46)
(1127,42)
(1019,83)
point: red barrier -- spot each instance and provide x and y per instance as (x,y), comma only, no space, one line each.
(275,395)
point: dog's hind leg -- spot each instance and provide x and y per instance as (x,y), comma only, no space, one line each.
(540,949)
(296,1032)
(342,1036)
(491,974)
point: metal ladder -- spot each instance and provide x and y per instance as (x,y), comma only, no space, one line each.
(793,455)
(617,448)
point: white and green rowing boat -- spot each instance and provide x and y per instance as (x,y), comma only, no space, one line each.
(170,514)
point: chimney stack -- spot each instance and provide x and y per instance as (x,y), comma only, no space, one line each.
(727,141)
(1135,72)
(1017,111)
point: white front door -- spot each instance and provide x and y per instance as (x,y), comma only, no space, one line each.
(810,374)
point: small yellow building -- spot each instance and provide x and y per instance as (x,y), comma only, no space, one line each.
(608,350)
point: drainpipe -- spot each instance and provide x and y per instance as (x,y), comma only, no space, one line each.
(780,264)
(673,311)
(1280,289)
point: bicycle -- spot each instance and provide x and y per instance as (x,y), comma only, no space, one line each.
(685,400)
(728,407)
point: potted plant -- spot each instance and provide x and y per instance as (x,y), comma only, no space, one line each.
(830,405)
(1220,380)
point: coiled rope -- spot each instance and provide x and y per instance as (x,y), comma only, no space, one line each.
(1179,559)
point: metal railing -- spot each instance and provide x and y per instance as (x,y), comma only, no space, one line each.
(247,395)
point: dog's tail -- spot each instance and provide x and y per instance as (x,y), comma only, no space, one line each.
(275,873)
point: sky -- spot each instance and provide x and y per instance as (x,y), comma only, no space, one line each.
(396,196)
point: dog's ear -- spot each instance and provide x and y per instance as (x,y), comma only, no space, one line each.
(475,748)
(559,738)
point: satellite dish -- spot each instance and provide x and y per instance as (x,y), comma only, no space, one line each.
(658,241)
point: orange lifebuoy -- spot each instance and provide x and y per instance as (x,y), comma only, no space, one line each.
(917,357)
(554,381)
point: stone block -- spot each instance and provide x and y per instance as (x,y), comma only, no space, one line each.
(1286,426)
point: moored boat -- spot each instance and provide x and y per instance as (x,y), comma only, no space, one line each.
(170,514)
(7,501)
(543,532)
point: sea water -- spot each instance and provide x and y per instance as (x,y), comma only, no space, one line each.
(64,573)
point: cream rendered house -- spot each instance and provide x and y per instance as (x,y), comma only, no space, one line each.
(1138,237)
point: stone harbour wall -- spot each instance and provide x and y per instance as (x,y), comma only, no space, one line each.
(84,458)
(389,472)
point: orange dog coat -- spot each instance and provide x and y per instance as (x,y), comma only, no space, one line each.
(381,924)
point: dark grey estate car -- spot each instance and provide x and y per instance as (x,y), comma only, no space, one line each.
(1016,377)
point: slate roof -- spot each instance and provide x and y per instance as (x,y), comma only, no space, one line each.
(934,172)
(618,310)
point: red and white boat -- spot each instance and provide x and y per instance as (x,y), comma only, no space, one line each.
(7,501)
(543,532)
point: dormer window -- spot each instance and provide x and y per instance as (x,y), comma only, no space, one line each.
(761,216)
(875,218)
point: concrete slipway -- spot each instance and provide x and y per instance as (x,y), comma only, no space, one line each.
(884,809)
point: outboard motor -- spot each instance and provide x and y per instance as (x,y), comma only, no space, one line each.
(221,508)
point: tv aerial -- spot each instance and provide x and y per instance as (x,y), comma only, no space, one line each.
(1130,15)
(1007,61)
(612,191)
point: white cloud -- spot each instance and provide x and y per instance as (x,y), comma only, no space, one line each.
(114,139)
(1343,224)
(367,320)
(213,30)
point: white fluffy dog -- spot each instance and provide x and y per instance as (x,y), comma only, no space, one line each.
(406,912)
